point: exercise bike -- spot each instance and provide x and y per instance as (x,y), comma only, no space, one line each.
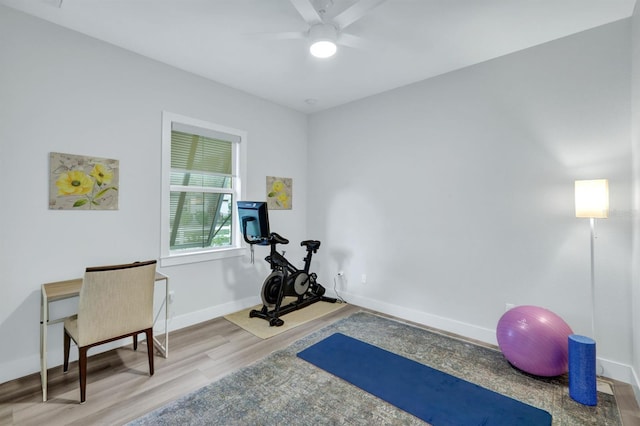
(285,280)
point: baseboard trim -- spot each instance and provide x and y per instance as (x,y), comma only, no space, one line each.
(29,365)
(445,324)
(611,369)
(25,366)
(193,318)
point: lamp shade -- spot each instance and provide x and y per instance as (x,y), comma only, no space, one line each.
(592,198)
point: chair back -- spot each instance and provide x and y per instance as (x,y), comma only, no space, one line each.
(115,300)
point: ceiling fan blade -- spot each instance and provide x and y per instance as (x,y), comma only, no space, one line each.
(351,40)
(355,12)
(307,11)
(279,36)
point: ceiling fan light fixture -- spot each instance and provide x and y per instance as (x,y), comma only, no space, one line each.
(323,49)
(323,40)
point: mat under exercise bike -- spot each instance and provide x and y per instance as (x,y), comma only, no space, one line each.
(285,280)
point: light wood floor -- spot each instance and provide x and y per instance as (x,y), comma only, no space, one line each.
(119,388)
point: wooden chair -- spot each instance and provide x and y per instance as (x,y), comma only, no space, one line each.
(115,302)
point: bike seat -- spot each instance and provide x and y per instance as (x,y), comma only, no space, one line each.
(312,245)
(276,238)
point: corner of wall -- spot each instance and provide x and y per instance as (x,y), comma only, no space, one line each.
(635,149)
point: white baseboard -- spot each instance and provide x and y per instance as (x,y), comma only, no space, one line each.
(15,369)
(441,323)
(29,365)
(25,366)
(616,370)
(611,369)
(193,318)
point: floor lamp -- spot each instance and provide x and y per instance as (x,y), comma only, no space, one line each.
(592,201)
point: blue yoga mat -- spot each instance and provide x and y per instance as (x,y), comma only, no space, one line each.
(431,395)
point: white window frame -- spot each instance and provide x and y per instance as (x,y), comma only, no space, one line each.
(239,156)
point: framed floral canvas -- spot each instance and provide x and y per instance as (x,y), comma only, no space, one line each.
(279,193)
(78,182)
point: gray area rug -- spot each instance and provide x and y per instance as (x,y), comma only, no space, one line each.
(282,389)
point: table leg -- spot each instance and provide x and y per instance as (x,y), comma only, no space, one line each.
(163,347)
(166,320)
(44,319)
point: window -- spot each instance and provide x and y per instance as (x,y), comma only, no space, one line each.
(202,166)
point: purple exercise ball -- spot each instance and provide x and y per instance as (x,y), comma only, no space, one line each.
(535,340)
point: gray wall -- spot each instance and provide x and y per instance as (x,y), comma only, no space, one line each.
(635,146)
(64,92)
(455,195)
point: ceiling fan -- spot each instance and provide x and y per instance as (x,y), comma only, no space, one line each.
(325,34)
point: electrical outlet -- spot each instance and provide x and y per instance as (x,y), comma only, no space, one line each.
(172,295)
(364,278)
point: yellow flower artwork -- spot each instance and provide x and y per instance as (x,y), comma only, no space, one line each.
(279,193)
(78,182)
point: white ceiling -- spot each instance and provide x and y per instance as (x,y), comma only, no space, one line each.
(408,40)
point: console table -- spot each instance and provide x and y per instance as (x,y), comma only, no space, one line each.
(61,290)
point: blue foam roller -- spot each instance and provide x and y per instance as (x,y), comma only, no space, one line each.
(582,370)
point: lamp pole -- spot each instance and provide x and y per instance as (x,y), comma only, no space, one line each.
(593,279)
(592,201)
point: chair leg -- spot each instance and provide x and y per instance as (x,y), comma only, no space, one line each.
(149,333)
(135,342)
(82,363)
(67,345)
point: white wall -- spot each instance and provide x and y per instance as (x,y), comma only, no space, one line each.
(61,91)
(635,146)
(455,195)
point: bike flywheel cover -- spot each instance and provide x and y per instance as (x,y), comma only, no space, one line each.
(301,283)
(271,288)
